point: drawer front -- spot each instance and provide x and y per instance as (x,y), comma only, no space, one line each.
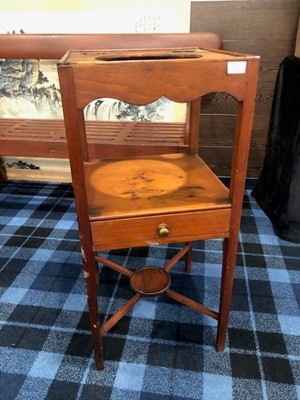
(154,230)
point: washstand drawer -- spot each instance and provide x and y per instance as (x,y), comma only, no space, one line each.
(152,230)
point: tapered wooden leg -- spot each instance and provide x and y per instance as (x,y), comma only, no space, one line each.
(91,289)
(229,260)
(188,258)
(97,274)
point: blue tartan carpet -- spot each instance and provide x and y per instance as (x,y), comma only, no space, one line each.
(161,350)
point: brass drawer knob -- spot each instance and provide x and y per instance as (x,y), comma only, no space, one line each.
(163,230)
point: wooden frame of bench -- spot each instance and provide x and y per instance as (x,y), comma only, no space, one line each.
(46,138)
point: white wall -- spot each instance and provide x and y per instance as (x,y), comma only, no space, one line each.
(87,16)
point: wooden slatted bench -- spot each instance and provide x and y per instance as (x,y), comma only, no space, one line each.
(45,138)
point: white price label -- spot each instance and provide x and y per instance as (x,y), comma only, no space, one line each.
(236,67)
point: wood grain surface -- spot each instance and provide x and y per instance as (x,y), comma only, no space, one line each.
(267,28)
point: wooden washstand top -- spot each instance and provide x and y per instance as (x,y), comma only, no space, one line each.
(104,56)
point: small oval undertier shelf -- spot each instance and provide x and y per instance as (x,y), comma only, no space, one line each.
(150,281)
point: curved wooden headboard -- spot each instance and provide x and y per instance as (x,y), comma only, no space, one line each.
(54,46)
